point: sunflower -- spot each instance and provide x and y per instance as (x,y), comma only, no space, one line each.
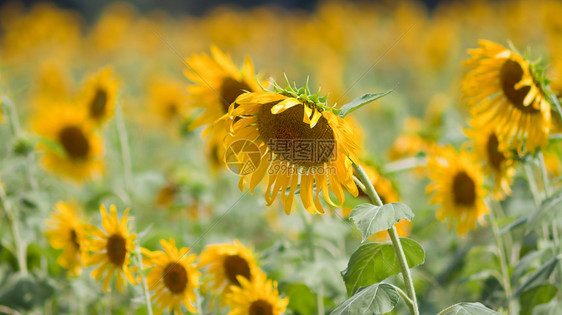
(98,95)
(226,262)
(256,297)
(218,82)
(498,163)
(457,187)
(68,233)
(403,228)
(71,148)
(173,277)
(503,91)
(112,249)
(168,100)
(301,143)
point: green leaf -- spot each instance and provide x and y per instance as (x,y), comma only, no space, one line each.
(378,298)
(301,299)
(371,219)
(25,292)
(537,276)
(374,262)
(466,308)
(360,102)
(552,308)
(549,211)
(539,294)
(513,225)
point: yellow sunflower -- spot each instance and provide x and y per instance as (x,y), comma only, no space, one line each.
(497,162)
(457,186)
(99,94)
(503,91)
(300,144)
(225,263)
(68,233)
(70,147)
(168,100)
(173,277)
(112,249)
(218,82)
(257,297)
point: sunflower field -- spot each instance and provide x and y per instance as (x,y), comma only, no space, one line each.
(350,158)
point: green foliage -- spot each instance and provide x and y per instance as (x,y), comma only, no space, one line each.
(536,295)
(465,308)
(375,299)
(548,212)
(371,219)
(25,292)
(374,262)
(360,102)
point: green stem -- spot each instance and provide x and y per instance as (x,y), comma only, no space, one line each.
(544,174)
(144,283)
(125,149)
(198,299)
(408,282)
(503,261)
(19,244)
(532,185)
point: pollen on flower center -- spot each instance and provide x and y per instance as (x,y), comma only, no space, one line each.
(230,90)
(464,189)
(510,74)
(98,105)
(293,140)
(495,157)
(235,265)
(175,277)
(74,142)
(116,249)
(261,307)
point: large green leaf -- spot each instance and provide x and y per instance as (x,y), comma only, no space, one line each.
(375,299)
(371,219)
(360,102)
(374,262)
(549,211)
(536,295)
(301,299)
(537,276)
(466,308)
(552,308)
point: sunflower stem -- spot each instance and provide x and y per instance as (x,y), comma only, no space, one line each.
(144,283)
(532,185)
(125,149)
(198,299)
(408,282)
(501,250)
(19,244)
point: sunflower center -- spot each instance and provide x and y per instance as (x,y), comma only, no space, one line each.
(510,74)
(261,307)
(175,277)
(74,239)
(235,265)
(293,140)
(464,189)
(116,249)
(230,90)
(494,155)
(98,105)
(74,142)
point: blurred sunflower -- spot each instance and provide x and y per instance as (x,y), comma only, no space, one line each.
(457,184)
(300,143)
(71,148)
(403,228)
(218,82)
(99,95)
(168,101)
(256,297)
(498,163)
(173,277)
(112,249)
(68,233)
(226,262)
(504,91)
